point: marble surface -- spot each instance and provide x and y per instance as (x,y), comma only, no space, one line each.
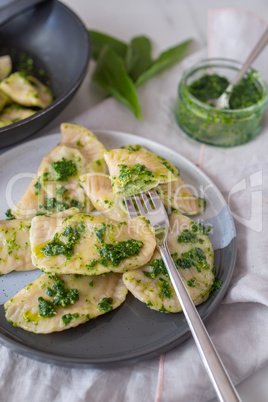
(166,22)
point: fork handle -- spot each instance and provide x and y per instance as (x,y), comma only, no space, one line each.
(218,375)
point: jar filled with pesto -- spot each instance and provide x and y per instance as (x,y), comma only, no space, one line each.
(228,127)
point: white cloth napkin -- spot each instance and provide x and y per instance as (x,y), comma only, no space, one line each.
(239,326)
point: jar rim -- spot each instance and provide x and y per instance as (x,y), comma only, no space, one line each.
(210,62)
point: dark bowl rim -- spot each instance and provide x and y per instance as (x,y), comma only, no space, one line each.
(69,91)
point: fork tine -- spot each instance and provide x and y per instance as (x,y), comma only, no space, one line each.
(132,213)
(139,204)
(147,202)
(155,199)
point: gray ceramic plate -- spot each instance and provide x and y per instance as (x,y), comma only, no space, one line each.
(133,331)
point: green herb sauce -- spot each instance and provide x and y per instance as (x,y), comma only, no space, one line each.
(134,178)
(9,215)
(212,86)
(56,246)
(201,229)
(77,204)
(193,258)
(61,190)
(132,148)
(158,268)
(128,172)
(222,127)
(62,296)
(187,237)
(46,308)
(106,304)
(165,289)
(64,169)
(67,318)
(216,285)
(38,187)
(114,253)
(191,283)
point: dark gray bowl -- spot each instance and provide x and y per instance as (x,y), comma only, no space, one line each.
(58,42)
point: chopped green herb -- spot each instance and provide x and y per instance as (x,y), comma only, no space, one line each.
(158,268)
(62,296)
(61,190)
(217,285)
(115,253)
(187,237)
(64,169)
(46,308)
(127,173)
(67,318)
(56,246)
(201,229)
(162,309)
(38,187)
(9,215)
(193,258)
(77,204)
(165,289)
(191,283)
(132,148)
(100,233)
(106,304)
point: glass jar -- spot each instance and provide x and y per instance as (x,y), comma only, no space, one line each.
(220,127)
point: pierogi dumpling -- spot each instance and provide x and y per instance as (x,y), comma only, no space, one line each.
(90,245)
(193,255)
(56,185)
(55,303)
(133,172)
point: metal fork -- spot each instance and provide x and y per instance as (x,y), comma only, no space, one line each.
(153,209)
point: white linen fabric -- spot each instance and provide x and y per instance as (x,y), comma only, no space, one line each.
(239,326)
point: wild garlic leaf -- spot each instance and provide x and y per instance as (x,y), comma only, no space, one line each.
(164,61)
(138,57)
(110,73)
(99,40)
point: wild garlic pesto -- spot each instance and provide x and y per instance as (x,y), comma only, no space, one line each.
(174,194)
(133,172)
(190,235)
(192,253)
(9,215)
(134,178)
(106,304)
(221,127)
(90,245)
(64,169)
(67,318)
(58,302)
(211,86)
(45,307)
(71,235)
(166,163)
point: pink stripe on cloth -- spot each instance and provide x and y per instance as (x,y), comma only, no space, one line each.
(201,156)
(160,380)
